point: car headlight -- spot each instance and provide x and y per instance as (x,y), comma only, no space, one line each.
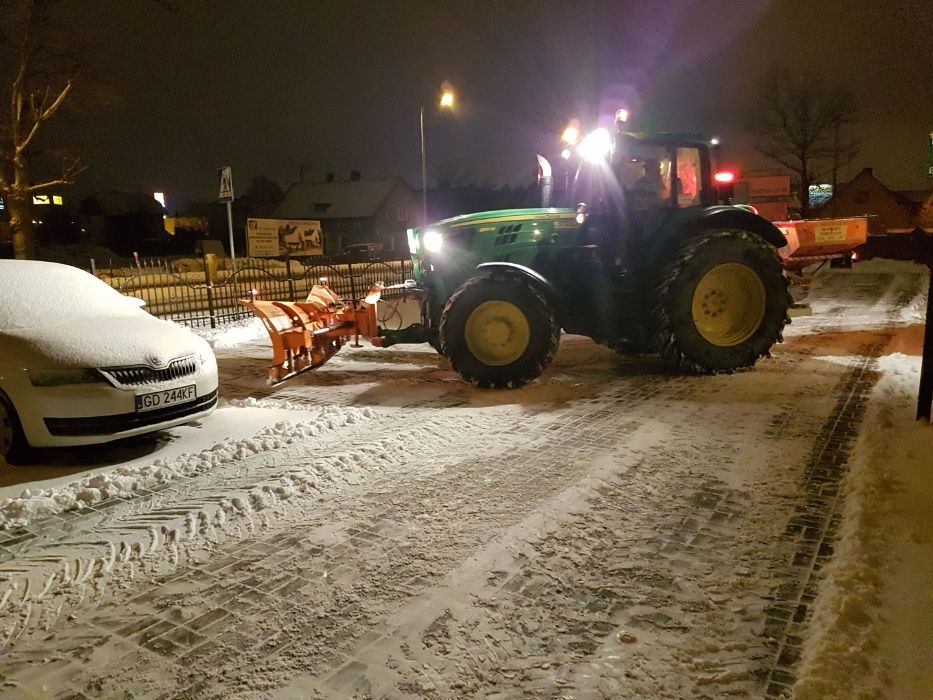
(63,377)
(433,241)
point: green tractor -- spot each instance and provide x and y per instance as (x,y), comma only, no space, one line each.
(651,263)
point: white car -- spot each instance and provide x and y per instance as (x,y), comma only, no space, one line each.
(81,363)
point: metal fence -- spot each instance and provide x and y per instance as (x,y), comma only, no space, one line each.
(194,292)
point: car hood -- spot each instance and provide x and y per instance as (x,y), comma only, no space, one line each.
(102,342)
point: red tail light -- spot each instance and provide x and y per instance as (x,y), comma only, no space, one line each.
(724,176)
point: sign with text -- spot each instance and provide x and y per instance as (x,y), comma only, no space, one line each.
(269,238)
(225,184)
(829,231)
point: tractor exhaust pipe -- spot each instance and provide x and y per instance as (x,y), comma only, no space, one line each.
(546,180)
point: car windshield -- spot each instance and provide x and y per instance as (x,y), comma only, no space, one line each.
(37,294)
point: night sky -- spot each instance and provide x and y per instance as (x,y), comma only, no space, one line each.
(336,86)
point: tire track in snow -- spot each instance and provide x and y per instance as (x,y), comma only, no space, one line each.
(496,432)
(261,493)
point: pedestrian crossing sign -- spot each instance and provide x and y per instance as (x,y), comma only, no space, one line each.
(225,175)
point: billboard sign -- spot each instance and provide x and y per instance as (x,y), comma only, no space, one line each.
(269,238)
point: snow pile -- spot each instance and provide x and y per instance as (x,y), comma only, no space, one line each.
(862,629)
(127,481)
(233,334)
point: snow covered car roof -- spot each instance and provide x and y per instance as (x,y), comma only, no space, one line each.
(58,314)
(36,294)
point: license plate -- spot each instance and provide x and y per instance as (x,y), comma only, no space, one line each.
(168,397)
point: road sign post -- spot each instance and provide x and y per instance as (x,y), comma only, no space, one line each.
(930,156)
(925,395)
(225,194)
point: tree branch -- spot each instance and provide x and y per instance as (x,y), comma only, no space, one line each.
(44,115)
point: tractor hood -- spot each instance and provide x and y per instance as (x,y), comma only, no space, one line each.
(447,253)
(508,215)
(489,228)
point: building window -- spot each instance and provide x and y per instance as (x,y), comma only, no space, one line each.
(321,207)
(861,197)
(401,214)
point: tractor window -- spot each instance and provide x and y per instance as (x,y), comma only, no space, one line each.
(688,177)
(645,175)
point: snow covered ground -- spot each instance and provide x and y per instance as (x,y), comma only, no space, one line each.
(377,528)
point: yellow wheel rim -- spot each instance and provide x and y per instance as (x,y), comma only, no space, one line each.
(497,333)
(728,304)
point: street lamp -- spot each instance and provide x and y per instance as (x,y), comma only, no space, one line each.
(446,100)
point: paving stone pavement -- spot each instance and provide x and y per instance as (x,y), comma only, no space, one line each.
(579,548)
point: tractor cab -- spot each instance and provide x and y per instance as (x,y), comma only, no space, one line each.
(662,171)
(639,186)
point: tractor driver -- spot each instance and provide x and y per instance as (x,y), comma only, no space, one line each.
(647,192)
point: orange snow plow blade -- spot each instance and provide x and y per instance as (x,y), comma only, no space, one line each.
(306,334)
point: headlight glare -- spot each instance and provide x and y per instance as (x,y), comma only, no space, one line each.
(433,241)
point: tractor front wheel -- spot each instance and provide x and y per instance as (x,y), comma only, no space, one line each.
(721,303)
(498,332)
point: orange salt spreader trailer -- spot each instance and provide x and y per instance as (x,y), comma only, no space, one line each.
(812,241)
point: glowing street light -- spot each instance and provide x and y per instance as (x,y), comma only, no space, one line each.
(447,100)
(448,97)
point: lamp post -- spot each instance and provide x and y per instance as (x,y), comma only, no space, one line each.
(446,100)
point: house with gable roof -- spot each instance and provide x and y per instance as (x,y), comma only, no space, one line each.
(891,212)
(355,212)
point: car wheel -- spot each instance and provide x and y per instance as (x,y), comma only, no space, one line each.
(12,441)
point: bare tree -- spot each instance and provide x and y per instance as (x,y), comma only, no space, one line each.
(37,75)
(799,121)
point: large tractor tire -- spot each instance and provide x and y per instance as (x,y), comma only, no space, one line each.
(498,332)
(721,303)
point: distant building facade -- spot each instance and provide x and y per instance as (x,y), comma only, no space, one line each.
(355,212)
(125,222)
(891,212)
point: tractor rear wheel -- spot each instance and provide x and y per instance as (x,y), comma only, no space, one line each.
(721,303)
(498,332)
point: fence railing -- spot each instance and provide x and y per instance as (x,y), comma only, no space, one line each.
(194,292)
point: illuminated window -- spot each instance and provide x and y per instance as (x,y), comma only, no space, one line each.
(688,177)
(57,199)
(41,199)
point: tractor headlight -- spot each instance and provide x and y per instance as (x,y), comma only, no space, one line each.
(433,241)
